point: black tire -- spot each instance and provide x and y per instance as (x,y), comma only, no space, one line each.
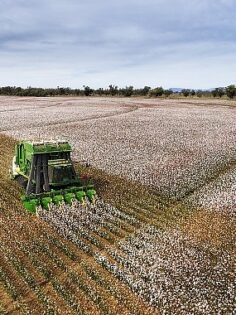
(22,181)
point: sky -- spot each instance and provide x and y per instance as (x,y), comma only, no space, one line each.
(71,43)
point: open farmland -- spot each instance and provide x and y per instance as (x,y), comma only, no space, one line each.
(161,236)
(173,149)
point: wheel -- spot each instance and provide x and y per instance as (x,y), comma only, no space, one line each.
(22,181)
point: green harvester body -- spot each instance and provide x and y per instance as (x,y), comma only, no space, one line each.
(46,171)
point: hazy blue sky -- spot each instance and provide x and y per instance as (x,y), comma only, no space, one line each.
(173,43)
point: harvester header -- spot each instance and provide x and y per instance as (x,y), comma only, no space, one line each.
(46,171)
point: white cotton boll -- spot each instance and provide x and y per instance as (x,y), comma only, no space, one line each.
(178,278)
(178,150)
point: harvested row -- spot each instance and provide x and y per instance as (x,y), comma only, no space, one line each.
(172,272)
(53,262)
(48,273)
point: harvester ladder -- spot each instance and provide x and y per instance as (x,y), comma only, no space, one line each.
(38,179)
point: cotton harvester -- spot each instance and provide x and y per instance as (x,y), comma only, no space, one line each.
(46,171)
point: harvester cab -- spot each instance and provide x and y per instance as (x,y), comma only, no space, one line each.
(46,171)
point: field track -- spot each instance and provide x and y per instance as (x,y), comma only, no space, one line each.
(127,109)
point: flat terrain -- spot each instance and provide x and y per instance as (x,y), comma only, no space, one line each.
(162,233)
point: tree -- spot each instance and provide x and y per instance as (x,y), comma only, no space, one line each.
(218,92)
(87,90)
(199,93)
(221,92)
(186,92)
(231,91)
(168,92)
(193,92)
(128,91)
(61,91)
(113,89)
(145,90)
(214,93)
(158,91)
(100,91)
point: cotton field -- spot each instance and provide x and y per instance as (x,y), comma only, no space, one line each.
(163,225)
(24,114)
(172,273)
(164,267)
(173,148)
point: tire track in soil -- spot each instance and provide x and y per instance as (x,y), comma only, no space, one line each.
(129,110)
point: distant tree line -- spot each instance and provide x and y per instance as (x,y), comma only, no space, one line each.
(229,91)
(113,90)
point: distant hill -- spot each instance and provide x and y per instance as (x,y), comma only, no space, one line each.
(178,90)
